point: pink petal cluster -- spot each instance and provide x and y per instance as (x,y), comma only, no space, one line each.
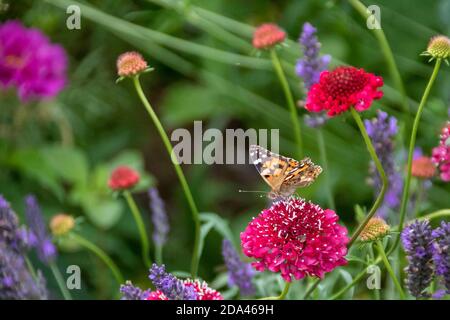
(441,154)
(297,239)
(343,88)
(201,288)
(30,63)
(268,35)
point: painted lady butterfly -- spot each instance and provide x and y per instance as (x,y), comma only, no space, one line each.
(284,175)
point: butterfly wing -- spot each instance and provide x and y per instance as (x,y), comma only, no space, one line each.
(271,166)
(300,176)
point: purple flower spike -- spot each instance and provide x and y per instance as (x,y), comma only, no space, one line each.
(30,63)
(441,256)
(239,273)
(159,218)
(130,292)
(173,288)
(382,131)
(311,65)
(41,240)
(417,241)
(16,282)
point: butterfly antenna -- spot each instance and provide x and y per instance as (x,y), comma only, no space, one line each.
(252,191)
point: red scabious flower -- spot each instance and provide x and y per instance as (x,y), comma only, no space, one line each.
(343,88)
(441,154)
(201,288)
(296,238)
(423,167)
(122,178)
(268,35)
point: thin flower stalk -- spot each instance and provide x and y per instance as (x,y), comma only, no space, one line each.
(289,99)
(179,172)
(412,144)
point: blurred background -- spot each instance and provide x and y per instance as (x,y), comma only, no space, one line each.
(63,150)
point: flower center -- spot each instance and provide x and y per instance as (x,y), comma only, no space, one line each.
(14,61)
(344,81)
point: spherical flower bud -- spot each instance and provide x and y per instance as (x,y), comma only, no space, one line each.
(438,47)
(343,88)
(374,230)
(130,64)
(123,178)
(268,35)
(423,167)
(61,224)
(296,238)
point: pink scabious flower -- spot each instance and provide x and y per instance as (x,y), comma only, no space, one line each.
(123,178)
(344,88)
(30,63)
(201,289)
(441,154)
(130,64)
(268,35)
(297,239)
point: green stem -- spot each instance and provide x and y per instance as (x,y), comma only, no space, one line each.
(376,292)
(412,145)
(179,172)
(158,254)
(31,267)
(141,228)
(289,99)
(380,170)
(387,52)
(389,269)
(60,281)
(379,199)
(436,214)
(99,253)
(282,295)
(311,289)
(324,160)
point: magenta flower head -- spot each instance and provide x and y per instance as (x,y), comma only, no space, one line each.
(297,239)
(441,154)
(343,88)
(30,63)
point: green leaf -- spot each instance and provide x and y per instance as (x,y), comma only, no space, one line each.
(220,225)
(32,164)
(104,213)
(69,163)
(204,230)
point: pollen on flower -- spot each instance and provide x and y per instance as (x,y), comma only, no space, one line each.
(439,47)
(296,238)
(61,224)
(268,35)
(343,88)
(130,64)
(423,167)
(123,178)
(374,230)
